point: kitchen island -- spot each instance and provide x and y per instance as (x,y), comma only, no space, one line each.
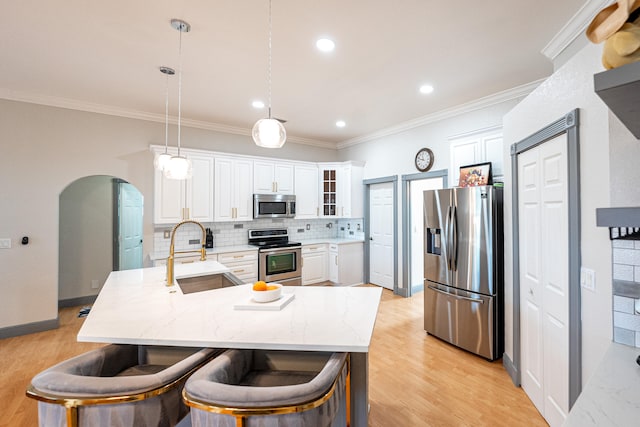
(611,397)
(136,307)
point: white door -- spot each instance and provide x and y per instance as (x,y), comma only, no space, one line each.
(382,234)
(544,277)
(416,190)
(130,209)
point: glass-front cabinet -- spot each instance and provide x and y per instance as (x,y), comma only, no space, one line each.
(329,192)
(341,189)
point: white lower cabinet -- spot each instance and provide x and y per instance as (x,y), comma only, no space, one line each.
(314,263)
(243,264)
(346,263)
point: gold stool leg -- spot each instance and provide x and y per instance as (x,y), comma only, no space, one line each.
(348,390)
(72,416)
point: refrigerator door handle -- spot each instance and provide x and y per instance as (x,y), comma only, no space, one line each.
(478,300)
(447,227)
(454,239)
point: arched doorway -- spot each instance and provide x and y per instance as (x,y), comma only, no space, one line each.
(100,230)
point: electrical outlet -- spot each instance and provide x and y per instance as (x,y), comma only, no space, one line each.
(237,226)
(5,243)
(194,241)
(167,234)
(300,230)
(95,284)
(588,279)
(308,226)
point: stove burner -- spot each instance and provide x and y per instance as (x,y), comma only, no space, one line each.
(271,238)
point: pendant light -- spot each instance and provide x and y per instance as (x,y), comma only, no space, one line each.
(179,167)
(269,132)
(162,159)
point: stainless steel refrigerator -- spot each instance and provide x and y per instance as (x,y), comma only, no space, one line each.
(463,268)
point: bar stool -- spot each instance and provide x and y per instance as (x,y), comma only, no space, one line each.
(270,388)
(117,385)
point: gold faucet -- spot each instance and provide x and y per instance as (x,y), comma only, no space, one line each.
(172,251)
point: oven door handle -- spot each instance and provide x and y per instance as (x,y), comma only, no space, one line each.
(276,250)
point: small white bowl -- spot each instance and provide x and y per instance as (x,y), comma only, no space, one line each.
(267,296)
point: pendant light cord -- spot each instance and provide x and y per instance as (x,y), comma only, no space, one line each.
(269,58)
(179,88)
(166,116)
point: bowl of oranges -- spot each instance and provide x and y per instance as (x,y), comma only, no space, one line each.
(266,292)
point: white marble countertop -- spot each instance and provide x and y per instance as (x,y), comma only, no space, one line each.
(135,307)
(336,241)
(210,251)
(612,395)
(240,248)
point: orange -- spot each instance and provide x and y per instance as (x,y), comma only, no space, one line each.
(260,286)
(271,287)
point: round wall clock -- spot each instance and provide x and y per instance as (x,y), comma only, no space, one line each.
(424,159)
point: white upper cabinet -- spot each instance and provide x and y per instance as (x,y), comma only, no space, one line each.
(341,190)
(351,194)
(476,148)
(272,177)
(176,200)
(306,191)
(200,188)
(233,189)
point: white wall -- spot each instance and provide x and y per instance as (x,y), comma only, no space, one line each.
(44,149)
(624,161)
(570,87)
(85,236)
(395,154)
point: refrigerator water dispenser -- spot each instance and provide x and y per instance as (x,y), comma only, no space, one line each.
(433,241)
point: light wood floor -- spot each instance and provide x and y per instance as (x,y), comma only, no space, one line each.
(415,379)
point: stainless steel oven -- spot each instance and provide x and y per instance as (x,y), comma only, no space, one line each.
(279,260)
(282,265)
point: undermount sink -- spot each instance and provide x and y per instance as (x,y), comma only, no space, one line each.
(189,285)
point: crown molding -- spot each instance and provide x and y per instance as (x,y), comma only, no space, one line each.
(573,28)
(487,101)
(72,104)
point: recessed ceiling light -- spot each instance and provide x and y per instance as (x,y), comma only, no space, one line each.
(426,89)
(325,45)
(341,123)
(257,104)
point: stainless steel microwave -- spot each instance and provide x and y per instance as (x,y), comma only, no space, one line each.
(274,205)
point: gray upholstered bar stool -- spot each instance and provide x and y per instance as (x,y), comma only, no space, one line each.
(117,385)
(270,389)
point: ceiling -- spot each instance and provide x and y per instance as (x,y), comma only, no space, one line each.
(105,56)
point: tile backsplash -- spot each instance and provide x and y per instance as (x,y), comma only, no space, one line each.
(236,233)
(626,305)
